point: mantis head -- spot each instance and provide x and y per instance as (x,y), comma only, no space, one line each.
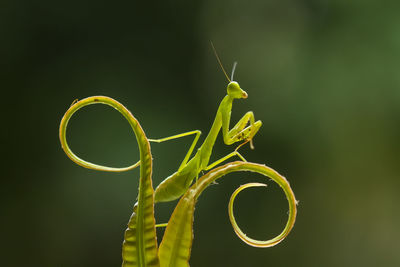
(235,91)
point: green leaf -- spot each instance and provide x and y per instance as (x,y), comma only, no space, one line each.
(176,245)
(177,241)
(140,241)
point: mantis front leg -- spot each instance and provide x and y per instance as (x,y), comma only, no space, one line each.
(239,132)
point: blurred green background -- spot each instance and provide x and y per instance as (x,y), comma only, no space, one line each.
(323,76)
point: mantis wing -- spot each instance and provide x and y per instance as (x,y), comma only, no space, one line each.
(176,245)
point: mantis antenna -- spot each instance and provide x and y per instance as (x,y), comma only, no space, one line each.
(233,70)
(219,61)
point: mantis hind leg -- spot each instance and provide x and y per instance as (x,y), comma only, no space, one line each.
(190,151)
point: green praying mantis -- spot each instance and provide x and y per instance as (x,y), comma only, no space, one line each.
(140,247)
(175,185)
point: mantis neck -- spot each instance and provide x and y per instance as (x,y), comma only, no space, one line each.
(206,148)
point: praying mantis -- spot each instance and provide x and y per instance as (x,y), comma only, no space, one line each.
(176,185)
(140,247)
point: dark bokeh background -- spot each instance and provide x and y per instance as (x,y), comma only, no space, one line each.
(323,76)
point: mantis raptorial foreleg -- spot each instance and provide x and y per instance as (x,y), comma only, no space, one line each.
(239,132)
(241,124)
(248,133)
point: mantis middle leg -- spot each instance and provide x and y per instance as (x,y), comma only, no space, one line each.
(190,151)
(232,154)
